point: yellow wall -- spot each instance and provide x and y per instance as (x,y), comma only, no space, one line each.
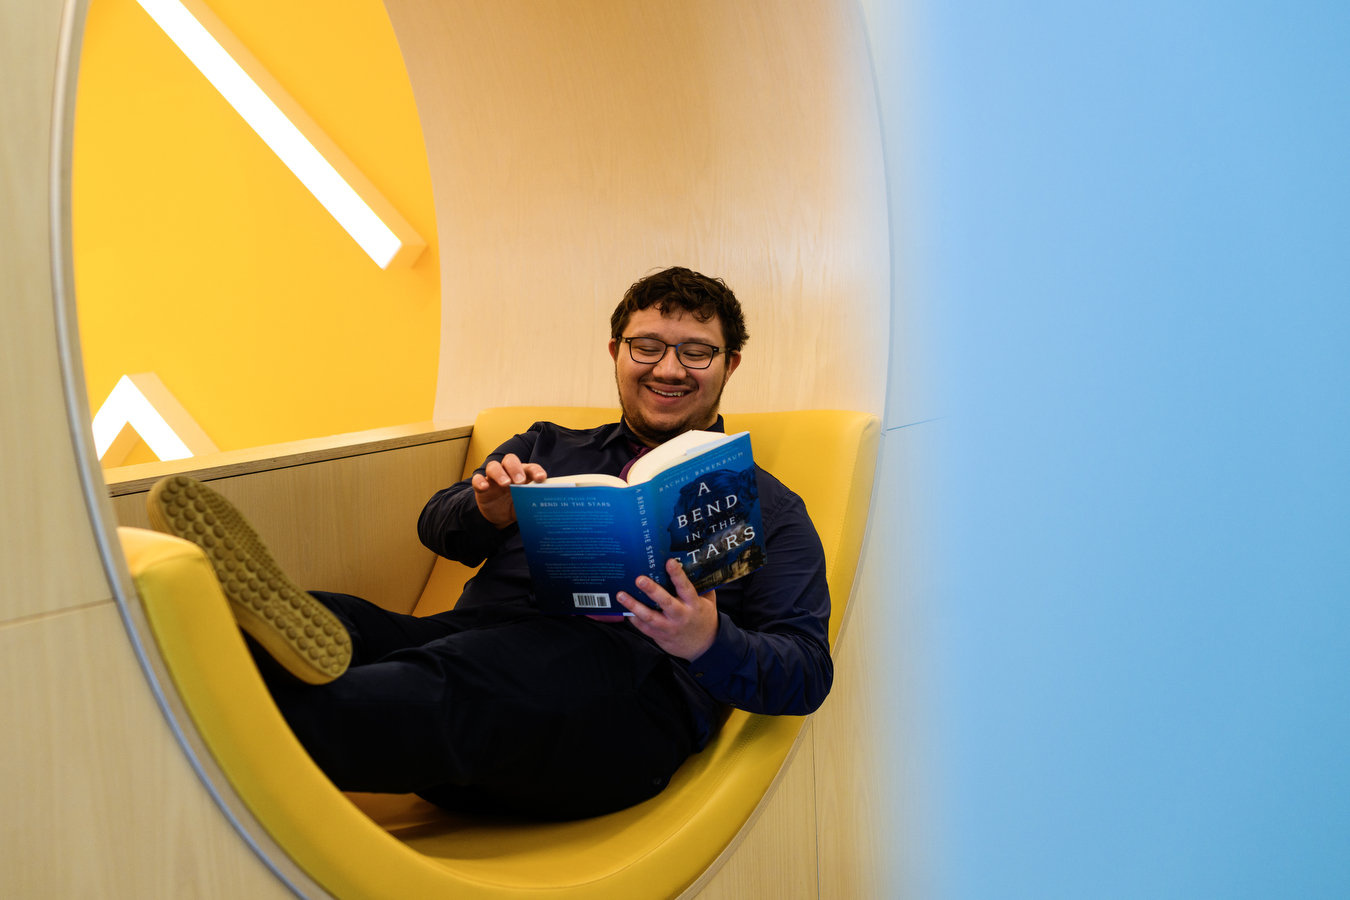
(199,256)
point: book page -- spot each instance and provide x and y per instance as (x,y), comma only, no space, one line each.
(674,452)
(592,480)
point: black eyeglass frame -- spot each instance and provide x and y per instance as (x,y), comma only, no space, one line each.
(664,347)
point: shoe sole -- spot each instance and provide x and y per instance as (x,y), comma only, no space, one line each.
(297,630)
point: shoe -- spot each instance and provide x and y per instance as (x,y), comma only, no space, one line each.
(297,630)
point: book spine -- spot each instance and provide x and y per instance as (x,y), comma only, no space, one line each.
(652,559)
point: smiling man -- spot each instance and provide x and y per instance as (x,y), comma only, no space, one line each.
(665,394)
(494,707)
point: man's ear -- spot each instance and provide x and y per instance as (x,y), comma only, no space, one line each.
(614,349)
(733,360)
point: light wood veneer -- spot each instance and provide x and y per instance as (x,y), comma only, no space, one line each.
(339,514)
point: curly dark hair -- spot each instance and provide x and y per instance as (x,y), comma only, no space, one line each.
(678,287)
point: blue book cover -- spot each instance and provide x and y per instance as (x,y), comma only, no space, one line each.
(585,543)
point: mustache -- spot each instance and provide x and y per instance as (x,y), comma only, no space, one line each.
(686,383)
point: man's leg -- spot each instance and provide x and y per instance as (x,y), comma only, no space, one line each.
(377,632)
(557,717)
(493,706)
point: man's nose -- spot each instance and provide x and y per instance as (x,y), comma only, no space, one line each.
(670,366)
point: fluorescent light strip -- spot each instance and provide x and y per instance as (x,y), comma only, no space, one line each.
(271,124)
(126,404)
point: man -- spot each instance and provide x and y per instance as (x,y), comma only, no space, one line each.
(495,707)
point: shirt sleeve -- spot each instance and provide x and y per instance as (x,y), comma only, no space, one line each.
(777,660)
(452,526)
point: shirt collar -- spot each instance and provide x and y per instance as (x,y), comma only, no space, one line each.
(625,433)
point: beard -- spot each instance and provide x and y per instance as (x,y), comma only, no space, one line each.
(654,434)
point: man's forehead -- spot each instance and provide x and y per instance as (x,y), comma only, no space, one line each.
(655,322)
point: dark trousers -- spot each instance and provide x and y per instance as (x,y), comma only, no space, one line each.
(492,709)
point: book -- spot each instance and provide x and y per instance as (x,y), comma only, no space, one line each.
(694,498)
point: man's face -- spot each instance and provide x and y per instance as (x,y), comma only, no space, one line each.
(664,399)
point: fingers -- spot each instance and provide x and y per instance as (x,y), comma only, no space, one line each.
(683,586)
(512,471)
(645,620)
(685,592)
(672,610)
(641,611)
(492,487)
(658,595)
(497,472)
(684,626)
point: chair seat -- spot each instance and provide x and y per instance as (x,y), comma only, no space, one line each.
(658,837)
(373,846)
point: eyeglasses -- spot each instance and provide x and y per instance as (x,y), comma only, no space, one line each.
(691,354)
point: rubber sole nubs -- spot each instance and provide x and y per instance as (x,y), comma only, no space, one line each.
(297,630)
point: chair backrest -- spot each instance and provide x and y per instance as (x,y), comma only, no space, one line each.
(826,456)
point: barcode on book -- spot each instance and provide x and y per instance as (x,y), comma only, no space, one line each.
(591,601)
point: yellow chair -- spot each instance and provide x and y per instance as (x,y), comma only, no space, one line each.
(654,850)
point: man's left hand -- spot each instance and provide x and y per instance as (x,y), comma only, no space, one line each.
(685,625)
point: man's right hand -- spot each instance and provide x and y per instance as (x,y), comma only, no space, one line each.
(492,489)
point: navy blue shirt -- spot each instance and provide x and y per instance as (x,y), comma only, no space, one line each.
(771,654)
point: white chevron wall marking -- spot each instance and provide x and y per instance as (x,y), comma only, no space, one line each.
(141,407)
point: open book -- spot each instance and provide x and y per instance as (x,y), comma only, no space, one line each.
(693,498)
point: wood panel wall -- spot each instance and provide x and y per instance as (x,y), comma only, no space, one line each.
(576,146)
(777,859)
(98,799)
(39,489)
(346,524)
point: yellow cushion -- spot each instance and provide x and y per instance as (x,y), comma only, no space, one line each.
(653,850)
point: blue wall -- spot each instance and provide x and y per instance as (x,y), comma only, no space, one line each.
(1123,288)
